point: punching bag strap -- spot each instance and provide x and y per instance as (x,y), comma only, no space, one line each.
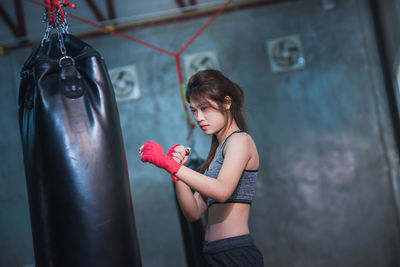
(70,80)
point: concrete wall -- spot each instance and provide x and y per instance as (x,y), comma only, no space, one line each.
(324,196)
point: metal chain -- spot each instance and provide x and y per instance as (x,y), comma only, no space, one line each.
(61,29)
(61,41)
(46,35)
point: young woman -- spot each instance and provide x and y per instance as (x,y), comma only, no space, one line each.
(225,184)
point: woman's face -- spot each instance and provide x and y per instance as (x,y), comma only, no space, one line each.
(208,115)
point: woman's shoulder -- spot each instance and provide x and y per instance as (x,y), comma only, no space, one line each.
(240,137)
(240,140)
(241,146)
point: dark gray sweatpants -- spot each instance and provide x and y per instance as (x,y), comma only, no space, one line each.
(238,251)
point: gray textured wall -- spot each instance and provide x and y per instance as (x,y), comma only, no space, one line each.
(324,196)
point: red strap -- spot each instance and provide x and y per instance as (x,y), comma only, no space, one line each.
(67,3)
(51,9)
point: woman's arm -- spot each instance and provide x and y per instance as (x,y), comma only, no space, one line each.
(192,205)
(237,155)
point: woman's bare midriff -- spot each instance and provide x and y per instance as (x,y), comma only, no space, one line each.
(227,220)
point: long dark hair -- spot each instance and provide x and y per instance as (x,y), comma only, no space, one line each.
(213,85)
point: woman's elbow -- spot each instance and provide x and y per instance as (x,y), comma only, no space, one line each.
(221,198)
(192,217)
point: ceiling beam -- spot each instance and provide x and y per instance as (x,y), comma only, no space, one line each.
(111,9)
(181,3)
(18,28)
(158,21)
(96,11)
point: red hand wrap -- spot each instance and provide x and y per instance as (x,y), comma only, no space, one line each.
(154,153)
(170,151)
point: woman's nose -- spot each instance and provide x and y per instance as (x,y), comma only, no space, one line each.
(199,116)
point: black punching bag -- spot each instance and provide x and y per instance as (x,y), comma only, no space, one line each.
(75,163)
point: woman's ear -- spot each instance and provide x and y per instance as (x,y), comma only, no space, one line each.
(227,102)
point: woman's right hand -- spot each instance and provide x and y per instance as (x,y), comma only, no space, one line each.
(180,153)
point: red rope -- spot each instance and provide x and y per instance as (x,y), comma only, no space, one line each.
(67,3)
(51,10)
(211,20)
(121,34)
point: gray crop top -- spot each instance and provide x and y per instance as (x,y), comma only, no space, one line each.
(244,191)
